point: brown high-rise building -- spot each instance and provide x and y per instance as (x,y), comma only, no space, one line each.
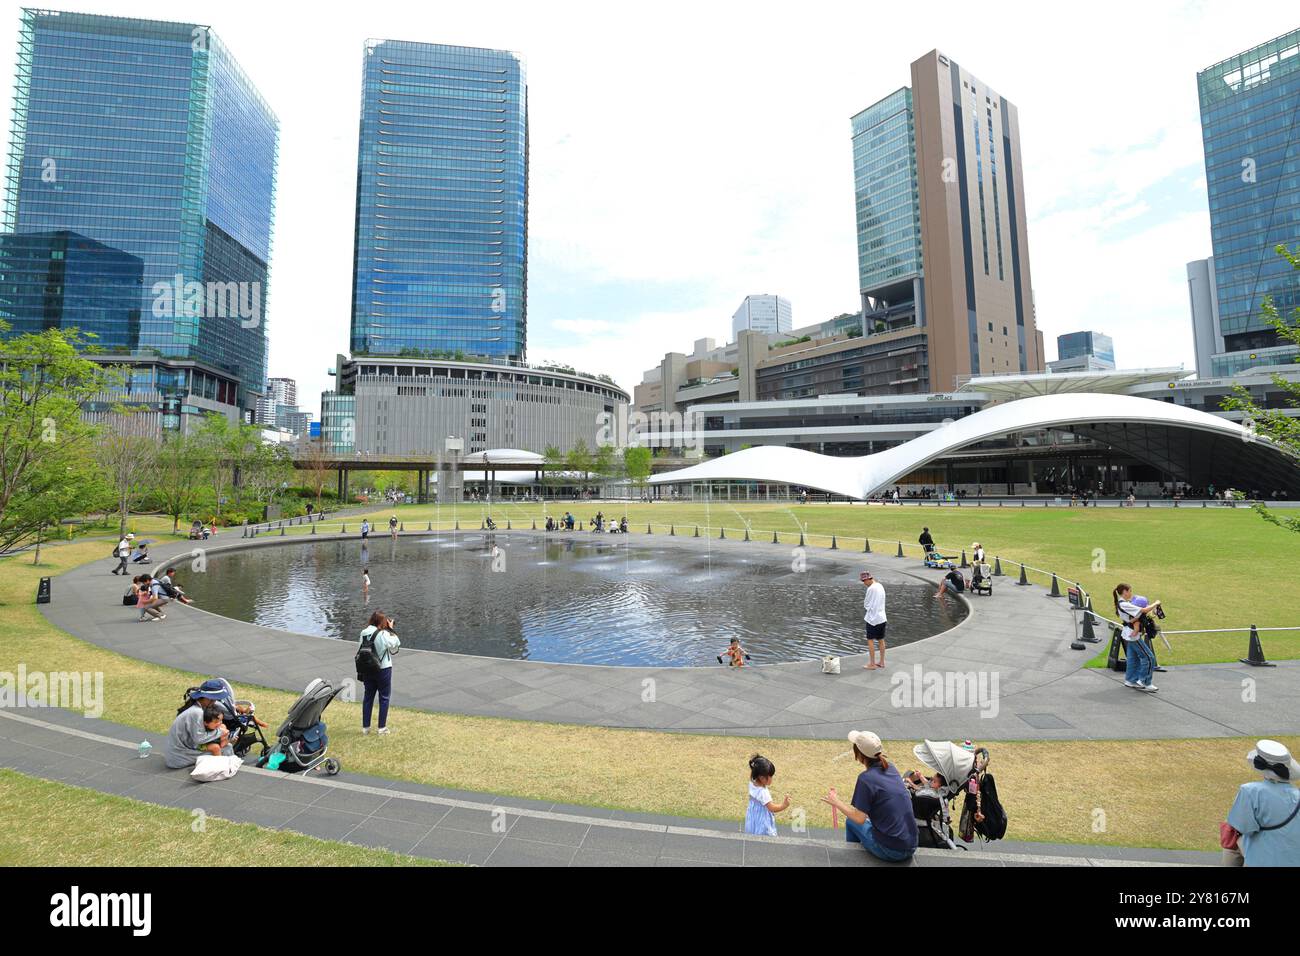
(943,252)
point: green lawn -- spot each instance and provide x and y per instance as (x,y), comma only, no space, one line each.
(55,824)
(1212,567)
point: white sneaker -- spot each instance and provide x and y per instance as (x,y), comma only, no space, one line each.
(365,731)
(1149,688)
(384,730)
(1129,683)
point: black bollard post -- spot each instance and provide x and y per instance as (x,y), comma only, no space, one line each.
(1023,578)
(1114,659)
(1255,656)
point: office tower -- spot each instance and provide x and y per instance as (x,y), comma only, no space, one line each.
(148,138)
(1087,351)
(762,313)
(442,203)
(1249,108)
(943,253)
(279,391)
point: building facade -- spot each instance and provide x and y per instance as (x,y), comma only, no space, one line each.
(763,313)
(279,392)
(441,244)
(943,250)
(396,406)
(1092,346)
(1249,104)
(61,279)
(148,138)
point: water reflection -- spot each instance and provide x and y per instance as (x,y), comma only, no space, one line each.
(571,598)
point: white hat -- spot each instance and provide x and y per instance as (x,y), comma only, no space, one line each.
(868,744)
(130,537)
(1274,761)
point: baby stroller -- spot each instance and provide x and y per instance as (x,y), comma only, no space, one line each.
(244,732)
(198,532)
(301,742)
(981,581)
(933,559)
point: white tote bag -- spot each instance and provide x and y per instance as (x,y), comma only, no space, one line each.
(210,767)
(830,665)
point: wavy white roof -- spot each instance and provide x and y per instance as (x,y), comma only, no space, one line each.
(861,477)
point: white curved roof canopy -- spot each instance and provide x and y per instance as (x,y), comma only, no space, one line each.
(1175,438)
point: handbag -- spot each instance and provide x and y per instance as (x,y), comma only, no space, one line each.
(210,768)
(1228,836)
(830,665)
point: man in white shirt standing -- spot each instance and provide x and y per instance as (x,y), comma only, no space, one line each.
(873,606)
(123,552)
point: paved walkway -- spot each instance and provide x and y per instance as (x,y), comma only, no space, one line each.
(464,827)
(1043,690)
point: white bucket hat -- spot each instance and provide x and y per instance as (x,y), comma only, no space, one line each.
(1274,761)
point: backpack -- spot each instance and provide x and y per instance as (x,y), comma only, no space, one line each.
(368,659)
(994,824)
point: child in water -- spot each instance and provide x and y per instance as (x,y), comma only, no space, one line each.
(734,653)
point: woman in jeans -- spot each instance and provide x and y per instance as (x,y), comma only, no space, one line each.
(381,683)
(1139,659)
(880,816)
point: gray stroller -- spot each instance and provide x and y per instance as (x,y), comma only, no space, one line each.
(301,742)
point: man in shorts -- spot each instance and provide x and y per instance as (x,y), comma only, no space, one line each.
(873,607)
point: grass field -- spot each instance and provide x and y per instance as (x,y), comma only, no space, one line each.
(97,829)
(1212,567)
(1053,790)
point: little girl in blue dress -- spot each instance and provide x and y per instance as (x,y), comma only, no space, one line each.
(759,817)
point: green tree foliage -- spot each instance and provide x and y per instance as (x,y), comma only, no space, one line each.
(46,469)
(1273,423)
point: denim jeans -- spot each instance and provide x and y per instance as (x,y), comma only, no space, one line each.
(1138,662)
(864,834)
(381,684)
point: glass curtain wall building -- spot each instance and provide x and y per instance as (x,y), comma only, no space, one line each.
(147,137)
(1250,124)
(441,264)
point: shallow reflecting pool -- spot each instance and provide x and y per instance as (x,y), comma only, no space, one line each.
(573,597)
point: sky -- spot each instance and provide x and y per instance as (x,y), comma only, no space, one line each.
(684,155)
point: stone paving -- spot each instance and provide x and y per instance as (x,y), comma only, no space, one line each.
(462,827)
(1043,690)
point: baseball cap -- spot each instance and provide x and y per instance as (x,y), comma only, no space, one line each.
(868,744)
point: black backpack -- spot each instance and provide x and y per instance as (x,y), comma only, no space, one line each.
(994,824)
(367,659)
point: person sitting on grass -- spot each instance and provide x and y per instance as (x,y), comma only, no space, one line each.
(759,815)
(197,730)
(879,817)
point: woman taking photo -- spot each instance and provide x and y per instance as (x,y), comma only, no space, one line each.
(1139,659)
(383,642)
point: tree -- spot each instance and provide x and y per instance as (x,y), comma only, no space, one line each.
(44,443)
(580,459)
(315,459)
(1273,423)
(214,438)
(126,462)
(636,462)
(178,480)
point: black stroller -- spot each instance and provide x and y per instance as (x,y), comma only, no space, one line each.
(301,742)
(237,715)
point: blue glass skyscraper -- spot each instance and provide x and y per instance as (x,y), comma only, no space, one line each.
(1250,123)
(441,259)
(148,138)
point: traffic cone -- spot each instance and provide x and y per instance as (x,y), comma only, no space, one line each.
(997,567)
(697,531)
(834,547)
(900,550)
(1088,635)
(866,545)
(1255,656)
(746,532)
(964,564)
(1056,590)
(722,534)
(801,544)
(1023,578)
